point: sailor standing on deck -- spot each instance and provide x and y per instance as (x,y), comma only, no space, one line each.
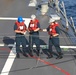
(20,29)
(53,31)
(33,28)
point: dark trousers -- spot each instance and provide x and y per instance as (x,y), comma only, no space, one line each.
(34,39)
(54,41)
(20,40)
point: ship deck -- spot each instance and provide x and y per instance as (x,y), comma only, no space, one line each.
(10,65)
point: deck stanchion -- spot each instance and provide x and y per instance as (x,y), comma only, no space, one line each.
(67,25)
(57,5)
(73,24)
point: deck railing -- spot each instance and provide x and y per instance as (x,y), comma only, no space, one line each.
(63,12)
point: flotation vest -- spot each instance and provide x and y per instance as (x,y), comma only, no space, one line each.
(33,25)
(52,28)
(20,26)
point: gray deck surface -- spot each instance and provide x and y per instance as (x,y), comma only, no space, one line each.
(31,66)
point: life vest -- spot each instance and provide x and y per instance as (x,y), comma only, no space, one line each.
(20,26)
(52,28)
(33,25)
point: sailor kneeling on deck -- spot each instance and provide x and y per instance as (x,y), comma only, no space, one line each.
(53,31)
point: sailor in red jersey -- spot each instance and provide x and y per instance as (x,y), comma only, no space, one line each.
(54,31)
(33,28)
(20,29)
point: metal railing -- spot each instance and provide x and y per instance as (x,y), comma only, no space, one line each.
(72,23)
(64,14)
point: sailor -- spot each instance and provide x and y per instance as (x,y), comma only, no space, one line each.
(53,31)
(20,29)
(34,27)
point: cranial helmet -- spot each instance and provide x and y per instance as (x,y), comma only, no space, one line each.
(20,19)
(33,17)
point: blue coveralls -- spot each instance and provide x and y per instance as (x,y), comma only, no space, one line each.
(20,39)
(54,41)
(34,39)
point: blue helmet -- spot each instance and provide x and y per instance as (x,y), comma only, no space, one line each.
(20,19)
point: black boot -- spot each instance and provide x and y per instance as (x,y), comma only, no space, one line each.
(50,56)
(31,54)
(60,55)
(75,56)
(37,53)
(24,54)
(17,55)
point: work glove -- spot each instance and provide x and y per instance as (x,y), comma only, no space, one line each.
(25,32)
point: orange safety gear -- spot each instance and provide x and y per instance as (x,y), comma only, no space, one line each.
(21,26)
(33,25)
(52,30)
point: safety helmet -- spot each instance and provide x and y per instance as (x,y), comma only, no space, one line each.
(33,17)
(20,19)
(51,20)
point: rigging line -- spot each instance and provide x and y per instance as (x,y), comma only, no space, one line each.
(63,31)
(73,56)
(52,65)
(66,32)
(71,52)
(42,66)
(70,42)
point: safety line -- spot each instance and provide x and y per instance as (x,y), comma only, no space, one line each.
(52,65)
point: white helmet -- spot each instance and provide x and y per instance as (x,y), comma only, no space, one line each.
(51,20)
(33,17)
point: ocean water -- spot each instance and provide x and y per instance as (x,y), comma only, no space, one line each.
(70,6)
